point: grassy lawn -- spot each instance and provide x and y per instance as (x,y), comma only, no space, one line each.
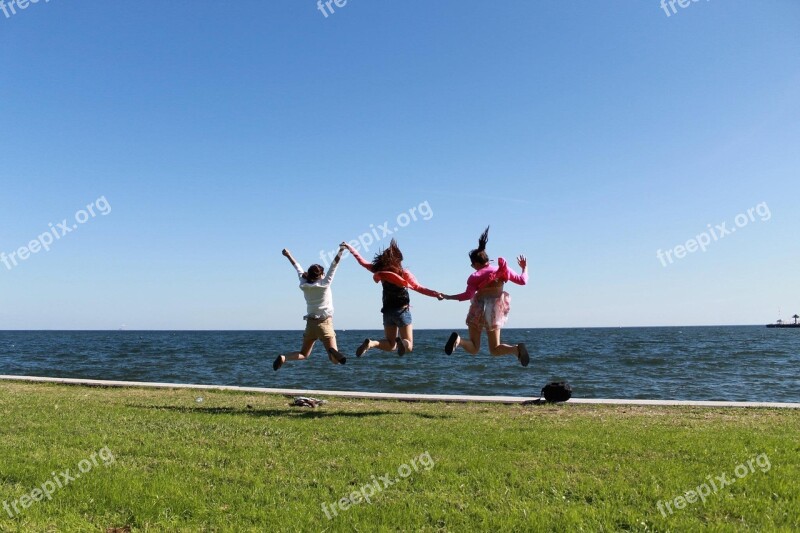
(157,460)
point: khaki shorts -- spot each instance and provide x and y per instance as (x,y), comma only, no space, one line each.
(316,330)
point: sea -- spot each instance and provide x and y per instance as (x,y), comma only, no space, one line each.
(746,363)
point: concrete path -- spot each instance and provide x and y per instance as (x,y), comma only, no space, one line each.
(389,396)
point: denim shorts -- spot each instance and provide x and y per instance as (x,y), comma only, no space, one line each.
(397,317)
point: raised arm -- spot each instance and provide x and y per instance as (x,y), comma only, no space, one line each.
(412,284)
(361,261)
(472,288)
(288,255)
(519,279)
(332,270)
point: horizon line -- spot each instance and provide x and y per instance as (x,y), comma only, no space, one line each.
(377,329)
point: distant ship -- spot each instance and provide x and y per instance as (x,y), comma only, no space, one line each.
(780,324)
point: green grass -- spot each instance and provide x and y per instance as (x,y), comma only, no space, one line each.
(220,465)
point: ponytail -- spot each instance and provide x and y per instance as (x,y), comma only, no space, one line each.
(483,240)
(479,255)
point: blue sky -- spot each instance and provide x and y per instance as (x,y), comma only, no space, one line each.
(589,135)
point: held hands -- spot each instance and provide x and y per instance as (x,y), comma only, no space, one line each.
(522,261)
(339,254)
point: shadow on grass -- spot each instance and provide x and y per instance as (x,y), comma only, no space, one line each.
(292,412)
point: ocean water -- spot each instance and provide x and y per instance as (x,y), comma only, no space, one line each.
(687,363)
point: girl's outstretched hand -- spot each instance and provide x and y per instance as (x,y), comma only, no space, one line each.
(344,246)
(522,261)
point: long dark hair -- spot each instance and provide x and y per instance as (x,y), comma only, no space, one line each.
(390,259)
(479,255)
(314,273)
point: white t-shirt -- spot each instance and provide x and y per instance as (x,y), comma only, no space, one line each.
(319,299)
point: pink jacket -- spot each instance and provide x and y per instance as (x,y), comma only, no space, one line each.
(406,280)
(488,274)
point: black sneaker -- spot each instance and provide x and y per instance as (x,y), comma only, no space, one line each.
(451,343)
(337,356)
(523,356)
(278,363)
(363,348)
(401,347)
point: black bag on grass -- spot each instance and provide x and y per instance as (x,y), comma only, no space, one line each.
(557,391)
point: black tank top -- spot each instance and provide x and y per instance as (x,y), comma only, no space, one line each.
(394,297)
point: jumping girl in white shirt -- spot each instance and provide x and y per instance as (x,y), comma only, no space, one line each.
(316,287)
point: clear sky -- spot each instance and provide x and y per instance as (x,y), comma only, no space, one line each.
(590,135)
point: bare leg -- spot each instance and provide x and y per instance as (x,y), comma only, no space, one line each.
(496,348)
(407,337)
(388,344)
(330,342)
(472,345)
(304,353)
